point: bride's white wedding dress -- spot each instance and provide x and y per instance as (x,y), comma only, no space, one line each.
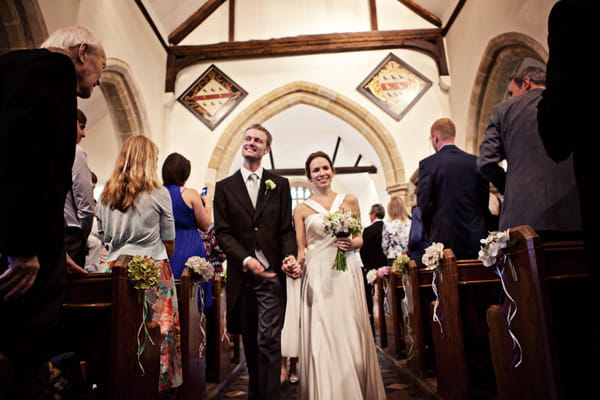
(338,358)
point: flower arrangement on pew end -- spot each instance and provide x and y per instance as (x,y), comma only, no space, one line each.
(433,255)
(399,265)
(496,252)
(342,223)
(201,271)
(496,245)
(143,274)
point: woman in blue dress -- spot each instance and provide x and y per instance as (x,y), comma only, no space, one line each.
(191,216)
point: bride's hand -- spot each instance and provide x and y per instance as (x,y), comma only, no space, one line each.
(344,243)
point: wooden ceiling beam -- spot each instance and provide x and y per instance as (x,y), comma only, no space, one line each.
(194,20)
(422,12)
(427,41)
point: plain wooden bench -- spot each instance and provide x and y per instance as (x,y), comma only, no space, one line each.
(552,323)
(100,318)
(463,364)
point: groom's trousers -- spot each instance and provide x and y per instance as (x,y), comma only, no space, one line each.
(263,309)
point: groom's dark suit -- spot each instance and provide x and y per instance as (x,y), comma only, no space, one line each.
(255,305)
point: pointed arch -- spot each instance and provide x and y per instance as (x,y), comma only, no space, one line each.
(323,98)
(22,25)
(124,99)
(503,57)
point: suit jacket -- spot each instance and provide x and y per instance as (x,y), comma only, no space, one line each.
(537,191)
(240,230)
(371,253)
(38,113)
(453,198)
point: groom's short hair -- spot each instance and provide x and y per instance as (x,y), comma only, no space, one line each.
(262,129)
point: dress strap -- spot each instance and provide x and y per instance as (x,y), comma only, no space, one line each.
(337,203)
(315,206)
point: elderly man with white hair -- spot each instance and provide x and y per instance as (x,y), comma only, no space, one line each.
(38,114)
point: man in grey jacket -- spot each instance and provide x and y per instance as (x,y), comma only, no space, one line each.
(537,191)
(79,204)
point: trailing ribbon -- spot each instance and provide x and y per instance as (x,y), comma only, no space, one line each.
(411,343)
(511,312)
(202,349)
(386,293)
(142,346)
(434,283)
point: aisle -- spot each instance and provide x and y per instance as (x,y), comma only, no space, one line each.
(397,387)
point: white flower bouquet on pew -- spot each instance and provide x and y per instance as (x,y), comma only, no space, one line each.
(493,247)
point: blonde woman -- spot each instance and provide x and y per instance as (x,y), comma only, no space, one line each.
(394,236)
(135,217)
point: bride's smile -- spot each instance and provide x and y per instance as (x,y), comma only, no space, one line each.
(320,172)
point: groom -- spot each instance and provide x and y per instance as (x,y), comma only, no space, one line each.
(253,225)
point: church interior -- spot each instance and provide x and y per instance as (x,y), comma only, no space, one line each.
(361,80)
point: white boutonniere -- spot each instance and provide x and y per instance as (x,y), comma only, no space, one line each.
(270,185)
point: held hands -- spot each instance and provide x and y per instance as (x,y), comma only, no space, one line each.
(292,267)
(19,277)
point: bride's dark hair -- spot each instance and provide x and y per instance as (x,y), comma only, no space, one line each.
(314,155)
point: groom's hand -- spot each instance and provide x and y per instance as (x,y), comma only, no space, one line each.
(291,267)
(258,269)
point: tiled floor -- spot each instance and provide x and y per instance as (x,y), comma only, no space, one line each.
(397,385)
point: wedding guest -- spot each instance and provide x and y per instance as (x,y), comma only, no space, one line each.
(452,194)
(136,218)
(79,205)
(537,191)
(338,357)
(290,333)
(38,110)
(191,216)
(214,253)
(97,251)
(371,252)
(394,237)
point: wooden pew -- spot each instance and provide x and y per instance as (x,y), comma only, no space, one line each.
(223,349)
(465,291)
(418,330)
(552,322)
(194,366)
(379,313)
(100,318)
(396,345)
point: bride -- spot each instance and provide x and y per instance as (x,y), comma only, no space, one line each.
(338,358)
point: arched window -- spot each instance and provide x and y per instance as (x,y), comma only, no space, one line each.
(299,194)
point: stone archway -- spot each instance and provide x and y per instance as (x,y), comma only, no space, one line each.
(317,96)
(124,100)
(502,58)
(22,25)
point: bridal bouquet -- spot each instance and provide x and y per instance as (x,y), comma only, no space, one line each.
(342,223)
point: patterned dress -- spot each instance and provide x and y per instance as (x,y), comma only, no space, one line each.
(141,231)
